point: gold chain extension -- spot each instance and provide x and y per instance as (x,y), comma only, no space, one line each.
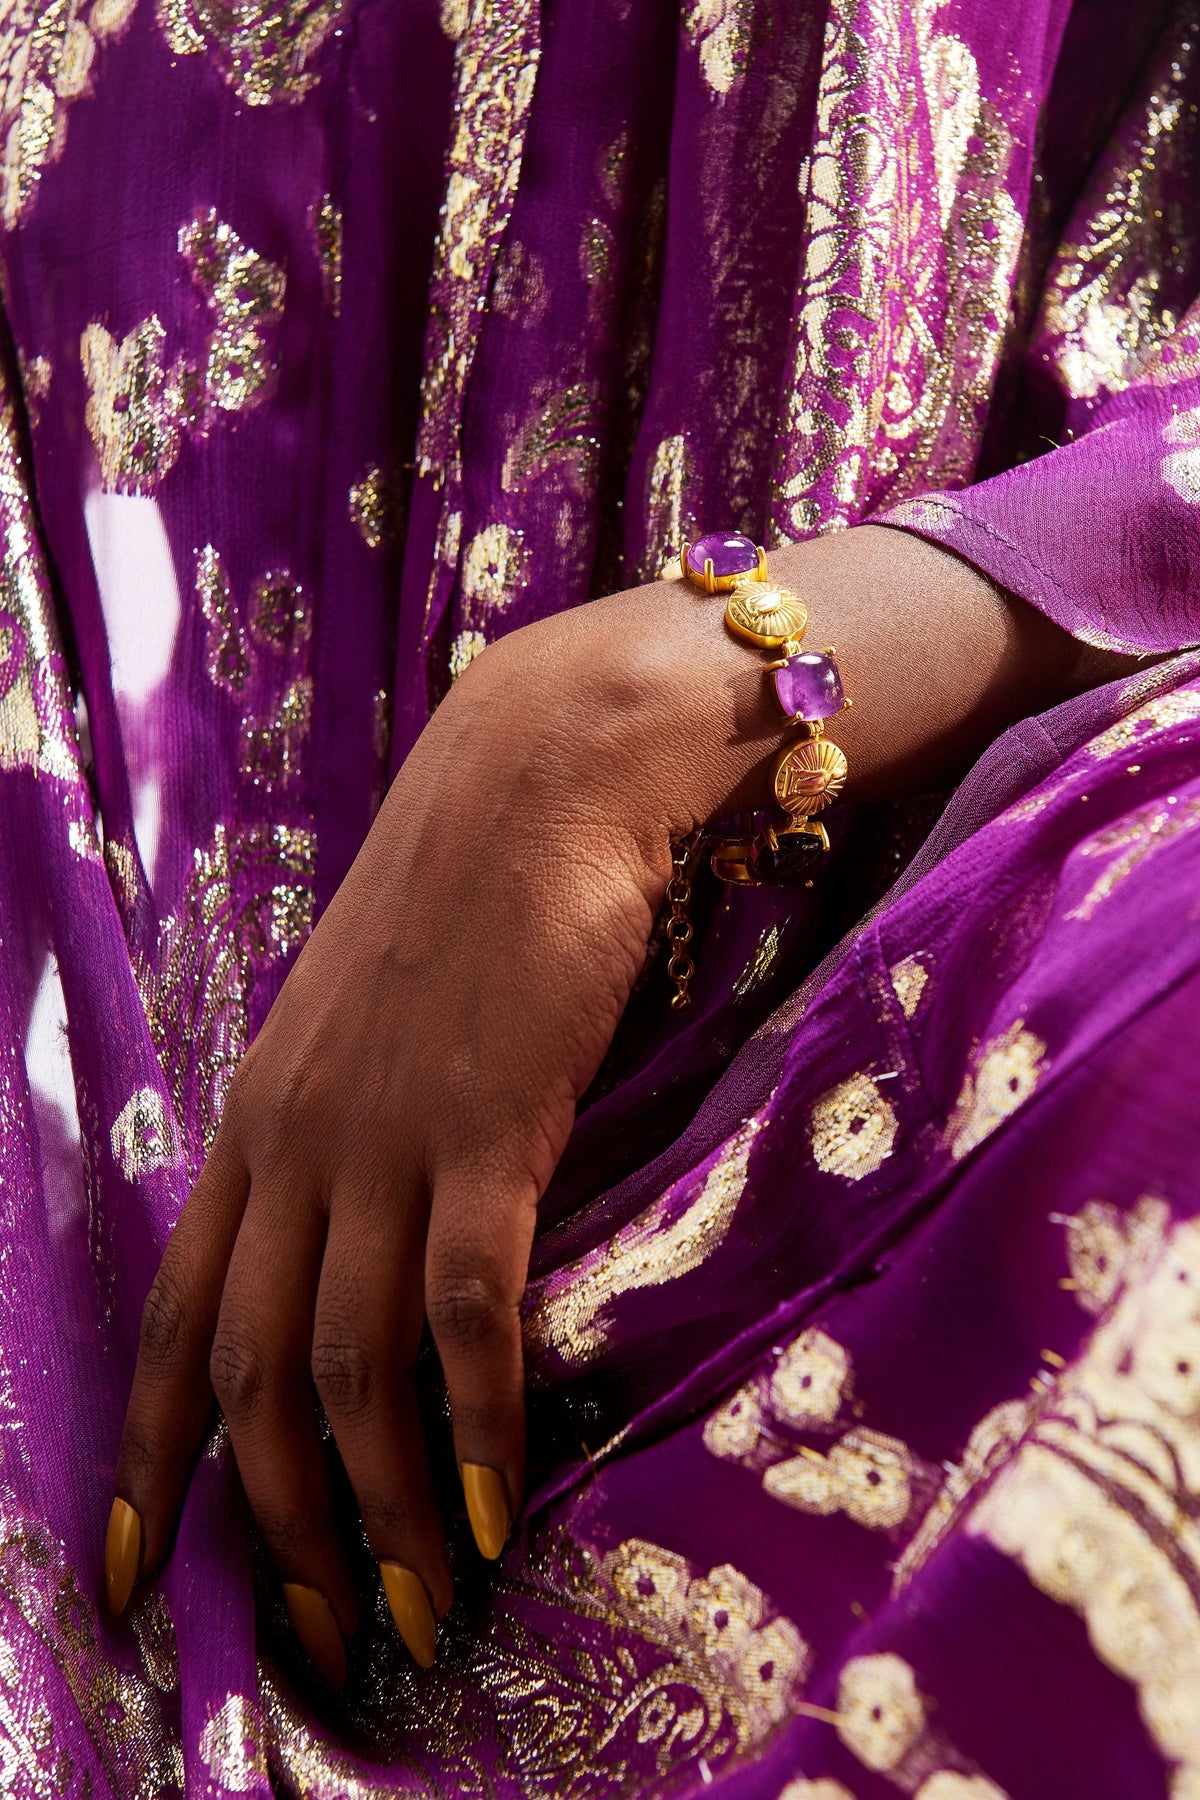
(680,968)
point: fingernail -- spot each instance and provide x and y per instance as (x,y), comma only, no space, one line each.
(122,1552)
(411,1610)
(487,1508)
(317,1630)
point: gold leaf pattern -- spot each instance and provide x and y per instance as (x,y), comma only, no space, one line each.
(908,979)
(233,1745)
(720,29)
(262,47)
(1004,1077)
(226,655)
(865,1474)
(665,1243)
(144,1136)
(853,1128)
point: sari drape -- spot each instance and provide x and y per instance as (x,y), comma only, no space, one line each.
(862,1328)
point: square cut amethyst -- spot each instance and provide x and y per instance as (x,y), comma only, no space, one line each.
(731,554)
(809,686)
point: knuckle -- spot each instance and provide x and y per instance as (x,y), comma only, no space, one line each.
(345,1373)
(165,1320)
(238,1371)
(465,1310)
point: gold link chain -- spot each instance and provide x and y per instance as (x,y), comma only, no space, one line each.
(680,968)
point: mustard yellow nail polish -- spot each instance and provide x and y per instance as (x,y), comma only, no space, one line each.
(411,1610)
(122,1553)
(317,1630)
(487,1507)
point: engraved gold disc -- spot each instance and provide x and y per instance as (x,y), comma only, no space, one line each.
(765,615)
(809,775)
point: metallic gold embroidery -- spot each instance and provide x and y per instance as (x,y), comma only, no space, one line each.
(670,1239)
(329,233)
(810,1380)
(720,29)
(908,980)
(493,570)
(262,47)
(668,521)
(1137,837)
(144,1136)
(853,1128)
(865,1475)
(1101,1503)
(137,403)
(990,1444)
(1179,707)
(271,746)
(245,292)
(495,67)
(377,506)
(233,1745)
(226,655)
(37,725)
(1108,304)
(1004,1077)
(1180,468)
(36,376)
(880,1713)
(758,969)
(558,433)
(463,651)
(951,1784)
(1106,1248)
(898,330)
(47,52)
(140,403)
(453,15)
(801,1788)
(280,615)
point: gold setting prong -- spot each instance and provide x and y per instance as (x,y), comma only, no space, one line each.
(710,578)
(762,563)
(683,568)
(847,703)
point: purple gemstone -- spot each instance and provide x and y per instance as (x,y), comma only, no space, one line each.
(731,553)
(809,686)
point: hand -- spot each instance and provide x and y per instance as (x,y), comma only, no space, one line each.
(389,1134)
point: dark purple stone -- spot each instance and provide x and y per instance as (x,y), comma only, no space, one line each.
(809,686)
(731,553)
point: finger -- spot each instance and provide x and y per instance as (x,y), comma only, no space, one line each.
(171,1400)
(480,1232)
(261,1376)
(370,1311)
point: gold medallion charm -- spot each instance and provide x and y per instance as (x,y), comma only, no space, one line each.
(809,775)
(765,615)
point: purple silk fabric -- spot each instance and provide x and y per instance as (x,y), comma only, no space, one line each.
(863,1325)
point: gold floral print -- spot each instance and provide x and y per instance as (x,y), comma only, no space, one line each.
(1005,1075)
(226,653)
(141,402)
(990,1444)
(1107,1248)
(668,518)
(272,742)
(493,570)
(495,68)
(898,331)
(853,1128)
(952,1784)
(453,15)
(280,613)
(330,233)
(865,1475)
(720,29)
(233,1745)
(1107,306)
(801,1788)
(811,1380)
(559,432)
(758,969)
(463,651)
(881,1715)
(1129,844)
(1101,1502)
(377,505)
(1164,712)
(47,55)
(144,1136)
(1180,467)
(37,727)
(908,979)
(670,1239)
(263,48)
